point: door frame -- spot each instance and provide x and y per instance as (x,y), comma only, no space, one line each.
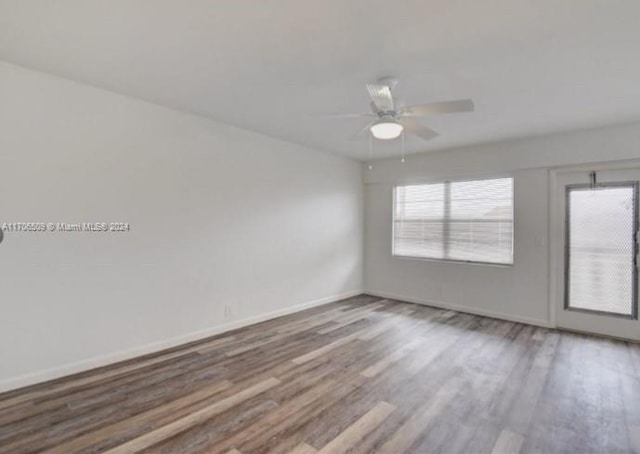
(557,237)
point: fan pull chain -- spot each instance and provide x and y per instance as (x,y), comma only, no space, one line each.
(370,150)
(402,140)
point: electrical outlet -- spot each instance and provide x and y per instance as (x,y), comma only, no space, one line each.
(227,311)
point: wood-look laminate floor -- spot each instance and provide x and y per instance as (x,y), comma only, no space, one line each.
(362,375)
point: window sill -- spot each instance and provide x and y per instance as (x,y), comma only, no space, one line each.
(451,261)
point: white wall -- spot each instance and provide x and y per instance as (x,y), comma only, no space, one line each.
(219,216)
(519,292)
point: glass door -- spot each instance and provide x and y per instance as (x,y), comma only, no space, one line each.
(599,223)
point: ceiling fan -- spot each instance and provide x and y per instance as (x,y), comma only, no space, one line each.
(389,119)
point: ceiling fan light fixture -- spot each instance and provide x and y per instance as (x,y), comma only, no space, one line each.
(386,129)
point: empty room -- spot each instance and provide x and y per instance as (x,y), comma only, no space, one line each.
(285,226)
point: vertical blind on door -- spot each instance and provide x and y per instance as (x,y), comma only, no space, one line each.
(469,221)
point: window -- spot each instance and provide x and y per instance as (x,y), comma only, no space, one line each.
(601,248)
(469,221)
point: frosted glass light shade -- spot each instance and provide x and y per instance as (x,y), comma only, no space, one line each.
(386,130)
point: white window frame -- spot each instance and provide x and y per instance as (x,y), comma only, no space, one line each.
(447,260)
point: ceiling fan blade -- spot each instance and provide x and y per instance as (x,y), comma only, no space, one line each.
(415,128)
(362,132)
(344,115)
(381,96)
(434,108)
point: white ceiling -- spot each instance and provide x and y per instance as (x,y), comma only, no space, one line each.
(531,66)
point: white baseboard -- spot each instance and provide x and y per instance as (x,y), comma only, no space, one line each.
(123,355)
(466,309)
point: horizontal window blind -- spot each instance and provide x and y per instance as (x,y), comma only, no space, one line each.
(455,220)
(601,248)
